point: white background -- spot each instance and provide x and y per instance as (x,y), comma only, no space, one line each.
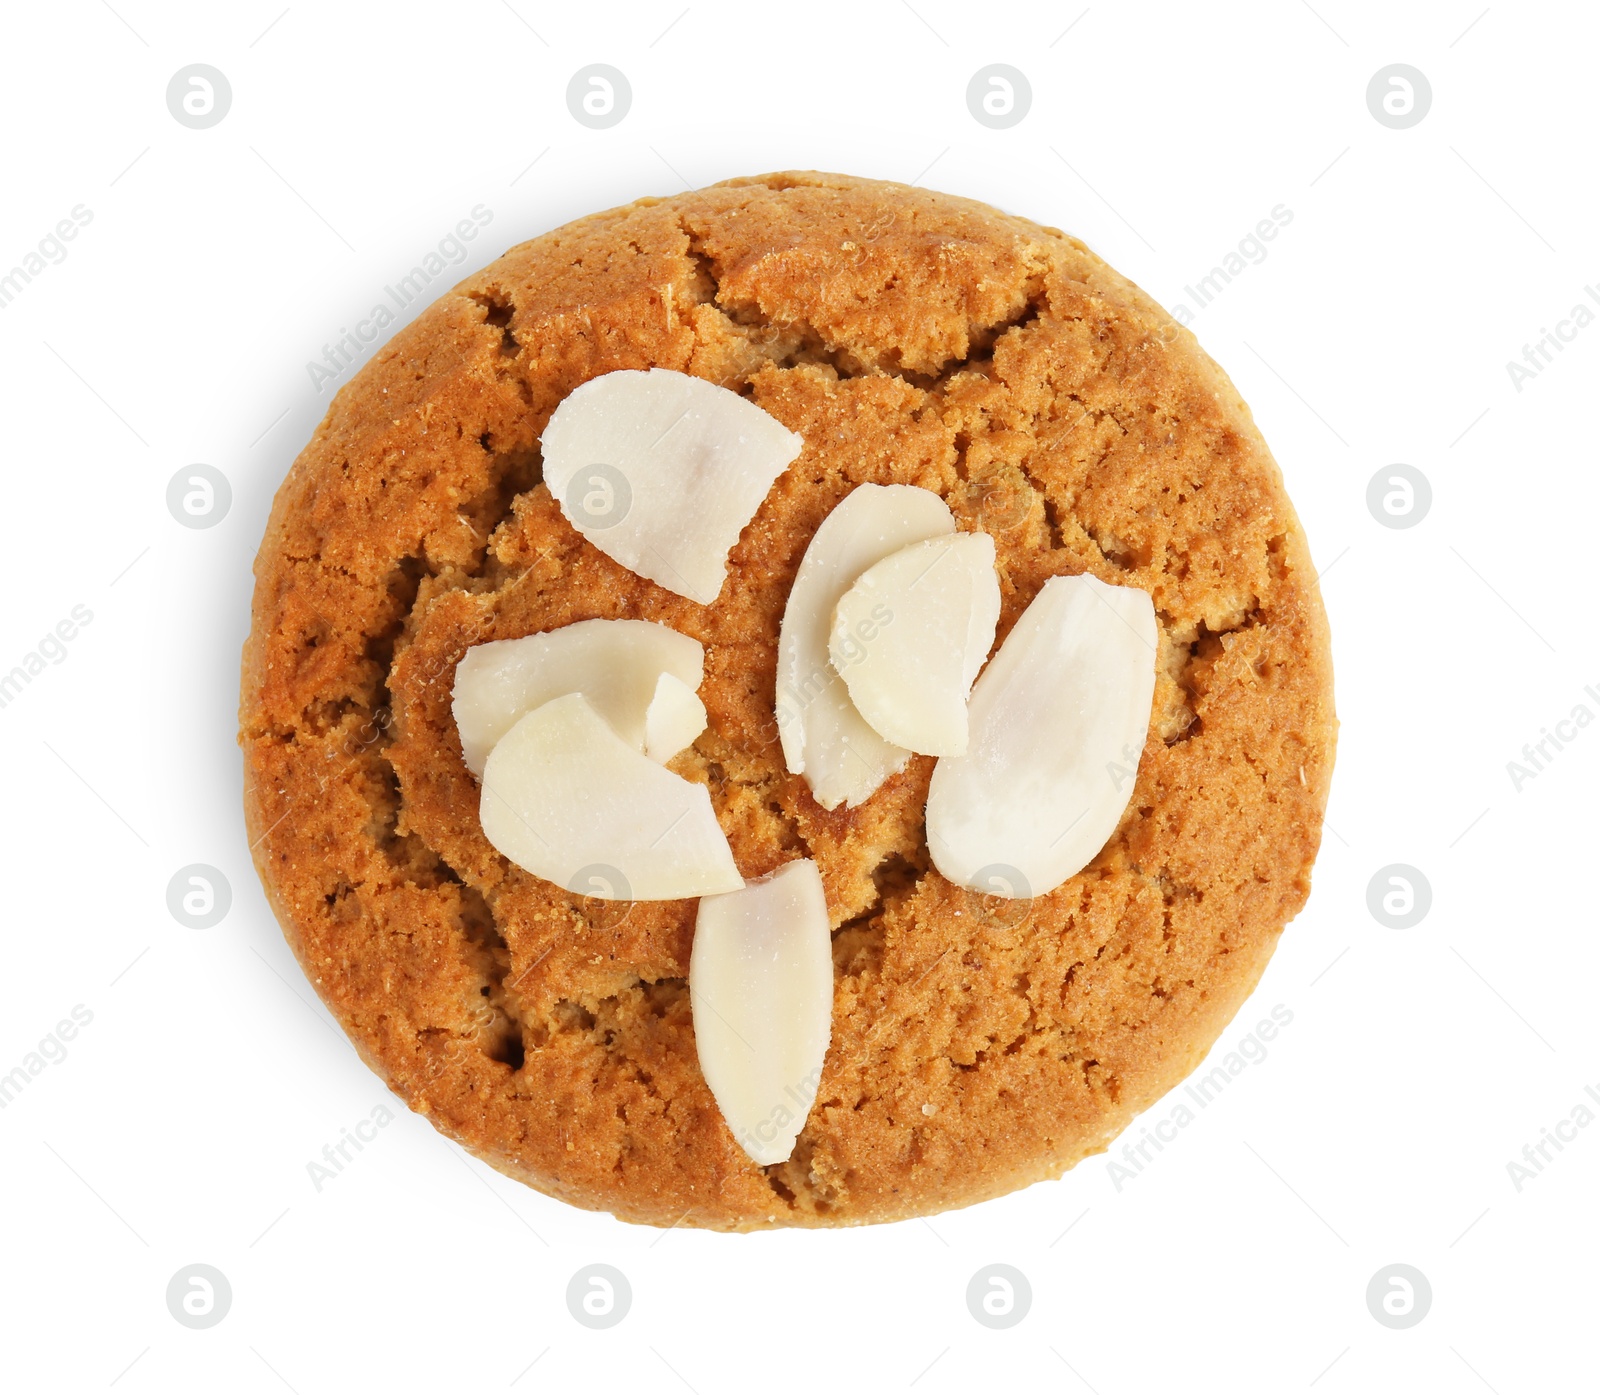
(1419,1062)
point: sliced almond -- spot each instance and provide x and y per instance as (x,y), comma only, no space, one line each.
(824,738)
(662,471)
(910,636)
(1058,721)
(761,992)
(674,718)
(565,797)
(616,664)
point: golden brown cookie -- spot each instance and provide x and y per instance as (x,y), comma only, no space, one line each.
(909,337)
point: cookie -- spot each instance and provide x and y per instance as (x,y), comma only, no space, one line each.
(910,337)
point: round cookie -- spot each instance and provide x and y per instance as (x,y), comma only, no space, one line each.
(910,337)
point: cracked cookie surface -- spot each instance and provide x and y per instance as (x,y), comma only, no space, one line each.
(910,338)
